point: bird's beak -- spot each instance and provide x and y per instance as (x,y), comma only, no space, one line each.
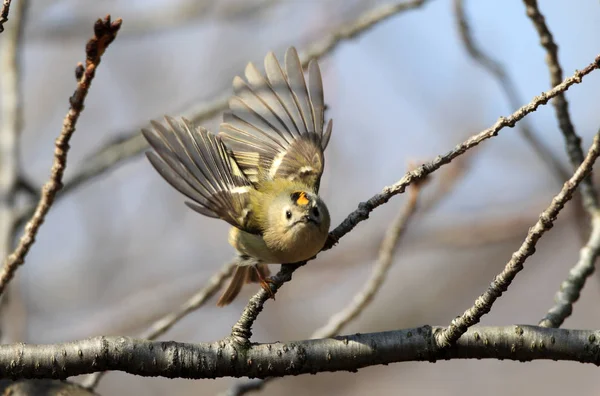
(309,219)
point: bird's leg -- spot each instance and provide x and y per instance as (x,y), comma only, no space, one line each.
(264,282)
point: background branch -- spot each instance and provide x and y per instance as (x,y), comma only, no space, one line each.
(501,282)
(561,106)
(132,143)
(11,115)
(497,70)
(570,289)
(105,32)
(4,13)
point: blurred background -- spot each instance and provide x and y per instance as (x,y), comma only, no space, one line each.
(122,250)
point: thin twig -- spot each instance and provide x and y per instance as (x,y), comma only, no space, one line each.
(4,13)
(11,117)
(561,106)
(162,325)
(241,331)
(497,70)
(132,143)
(105,32)
(501,282)
(570,289)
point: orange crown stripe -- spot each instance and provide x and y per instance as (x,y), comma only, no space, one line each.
(302,199)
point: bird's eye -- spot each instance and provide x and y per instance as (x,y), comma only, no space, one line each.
(288,214)
(315,211)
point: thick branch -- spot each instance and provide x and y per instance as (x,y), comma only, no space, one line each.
(241,331)
(105,32)
(345,353)
(501,282)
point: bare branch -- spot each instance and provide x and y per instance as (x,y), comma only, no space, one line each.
(4,13)
(344,353)
(105,32)
(132,143)
(561,106)
(570,289)
(241,331)
(11,121)
(497,70)
(165,323)
(501,282)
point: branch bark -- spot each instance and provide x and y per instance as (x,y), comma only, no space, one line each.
(345,353)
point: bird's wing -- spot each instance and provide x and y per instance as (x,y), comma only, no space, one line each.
(275,124)
(197,164)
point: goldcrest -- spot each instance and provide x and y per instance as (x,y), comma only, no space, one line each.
(261,173)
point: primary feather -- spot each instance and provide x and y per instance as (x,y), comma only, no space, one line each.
(275,124)
(197,164)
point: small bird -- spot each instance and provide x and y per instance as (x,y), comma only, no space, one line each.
(261,173)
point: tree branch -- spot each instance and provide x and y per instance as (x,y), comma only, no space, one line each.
(105,32)
(570,289)
(241,331)
(4,13)
(11,120)
(501,282)
(497,70)
(561,106)
(344,353)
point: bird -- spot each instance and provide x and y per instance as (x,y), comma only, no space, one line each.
(261,172)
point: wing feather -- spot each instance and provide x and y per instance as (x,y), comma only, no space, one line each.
(274,128)
(197,164)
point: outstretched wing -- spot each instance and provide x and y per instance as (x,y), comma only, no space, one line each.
(197,164)
(275,127)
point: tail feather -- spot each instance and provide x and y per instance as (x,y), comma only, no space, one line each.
(242,275)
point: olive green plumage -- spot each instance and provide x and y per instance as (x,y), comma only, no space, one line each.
(262,172)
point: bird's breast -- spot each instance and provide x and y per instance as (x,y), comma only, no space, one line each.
(272,249)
